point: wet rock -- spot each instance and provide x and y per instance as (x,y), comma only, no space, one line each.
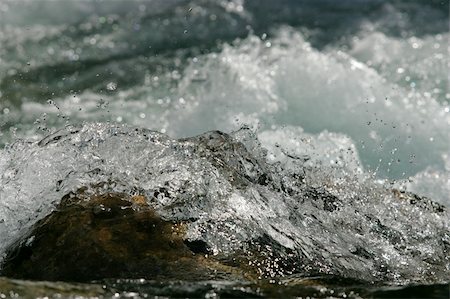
(114,235)
(107,236)
(96,237)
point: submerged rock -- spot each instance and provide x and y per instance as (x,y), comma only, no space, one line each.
(214,195)
(114,235)
(106,236)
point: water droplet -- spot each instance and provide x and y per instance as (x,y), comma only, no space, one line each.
(111,86)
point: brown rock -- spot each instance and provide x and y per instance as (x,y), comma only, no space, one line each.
(107,236)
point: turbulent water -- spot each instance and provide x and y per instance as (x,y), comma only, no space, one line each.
(347,97)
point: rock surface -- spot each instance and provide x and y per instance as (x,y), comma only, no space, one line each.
(108,236)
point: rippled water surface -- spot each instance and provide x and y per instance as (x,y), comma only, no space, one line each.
(346,99)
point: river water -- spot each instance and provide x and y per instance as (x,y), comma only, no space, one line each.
(352,96)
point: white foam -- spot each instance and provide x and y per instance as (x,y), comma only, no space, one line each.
(286,82)
(227,214)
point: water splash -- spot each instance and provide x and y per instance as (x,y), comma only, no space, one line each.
(324,218)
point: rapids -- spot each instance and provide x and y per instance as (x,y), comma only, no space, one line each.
(332,112)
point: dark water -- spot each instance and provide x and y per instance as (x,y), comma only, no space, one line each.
(351,96)
(214,289)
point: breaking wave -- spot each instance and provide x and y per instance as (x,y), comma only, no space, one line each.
(325,215)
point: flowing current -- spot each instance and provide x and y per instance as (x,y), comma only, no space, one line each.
(348,99)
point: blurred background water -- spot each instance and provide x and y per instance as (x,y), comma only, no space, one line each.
(375,71)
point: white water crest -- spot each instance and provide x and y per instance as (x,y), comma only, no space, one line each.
(326,215)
